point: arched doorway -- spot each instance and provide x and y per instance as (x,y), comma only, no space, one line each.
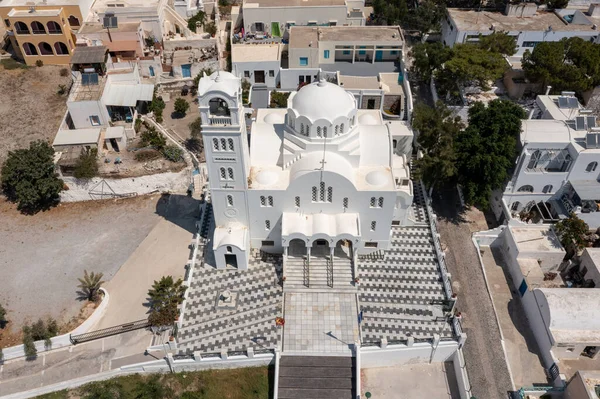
(297,248)
(343,249)
(320,248)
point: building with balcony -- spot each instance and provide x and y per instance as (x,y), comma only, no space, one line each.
(318,177)
(43,31)
(557,171)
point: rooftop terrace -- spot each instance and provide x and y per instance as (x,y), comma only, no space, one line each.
(307,36)
(293,3)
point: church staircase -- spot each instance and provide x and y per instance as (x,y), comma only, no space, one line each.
(320,273)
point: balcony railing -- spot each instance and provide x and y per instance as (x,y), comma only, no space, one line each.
(21,31)
(38,31)
(219,120)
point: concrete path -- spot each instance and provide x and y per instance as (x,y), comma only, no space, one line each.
(486,363)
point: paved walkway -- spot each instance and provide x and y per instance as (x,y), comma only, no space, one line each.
(486,363)
(320,322)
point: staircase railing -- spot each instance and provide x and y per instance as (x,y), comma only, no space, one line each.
(329,268)
(305,272)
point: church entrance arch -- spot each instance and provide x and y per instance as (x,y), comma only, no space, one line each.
(297,248)
(343,249)
(320,247)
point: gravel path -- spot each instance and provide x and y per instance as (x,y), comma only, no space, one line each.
(483,352)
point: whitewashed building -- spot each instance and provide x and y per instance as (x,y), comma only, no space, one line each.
(315,176)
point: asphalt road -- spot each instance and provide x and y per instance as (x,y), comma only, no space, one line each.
(486,363)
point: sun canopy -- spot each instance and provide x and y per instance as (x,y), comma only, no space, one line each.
(127,95)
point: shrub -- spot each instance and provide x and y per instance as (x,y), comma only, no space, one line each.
(64,72)
(210,28)
(30,350)
(90,285)
(87,164)
(196,127)
(39,63)
(152,137)
(173,153)
(138,124)
(10,64)
(181,106)
(62,89)
(146,155)
(158,115)
(29,178)
(199,17)
(278,99)
(3,320)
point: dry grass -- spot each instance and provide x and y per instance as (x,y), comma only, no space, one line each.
(30,108)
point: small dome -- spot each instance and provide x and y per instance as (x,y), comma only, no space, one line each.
(376,178)
(274,118)
(222,75)
(266,178)
(367,119)
(323,100)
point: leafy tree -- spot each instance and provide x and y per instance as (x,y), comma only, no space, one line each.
(173,153)
(151,137)
(487,148)
(164,297)
(110,389)
(199,17)
(278,99)
(29,346)
(196,127)
(390,12)
(87,164)
(499,42)
(470,64)
(437,131)
(557,4)
(3,319)
(210,28)
(28,178)
(570,64)
(181,106)
(90,285)
(152,388)
(571,232)
(427,58)
(426,16)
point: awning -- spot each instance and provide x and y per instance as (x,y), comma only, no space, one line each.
(77,137)
(587,189)
(127,95)
(89,55)
(336,226)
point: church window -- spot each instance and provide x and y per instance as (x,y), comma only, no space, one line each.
(342,128)
(345,202)
(325,131)
(216,144)
(322,191)
(263,200)
(267,225)
(329,193)
(314,194)
(270,200)
(229,200)
(308,130)
(302,128)
(380,202)
(230,173)
(223,173)
(297,201)
(336,130)
(373,202)
(319,131)
(230,144)
(223,145)
(373,225)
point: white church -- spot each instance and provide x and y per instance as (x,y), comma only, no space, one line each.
(313,179)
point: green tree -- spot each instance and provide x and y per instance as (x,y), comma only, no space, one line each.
(279,99)
(210,28)
(572,232)
(151,137)
(557,4)
(181,106)
(90,285)
(110,389)
(390,12)
(437,131)
(29,346)
(29,178)
(3,320)
(499,42)
(152,388)
(199,17)
(569,64)
(426,16)
(196,127)
(164,297)
(427,58)
(86,166)
(486,150)
(173,153)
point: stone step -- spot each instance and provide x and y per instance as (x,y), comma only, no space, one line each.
(307,393)
(300,381)
(316,361)
(319,288)
(315,372)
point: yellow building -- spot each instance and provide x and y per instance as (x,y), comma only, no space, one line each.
(44,31)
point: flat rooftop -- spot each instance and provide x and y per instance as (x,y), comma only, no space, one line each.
(302,36)
(98,27)
(479,21)
(536,239)
(547,131)
(255,53)
(293,3)
(47,12)
(359,82)
(48,3)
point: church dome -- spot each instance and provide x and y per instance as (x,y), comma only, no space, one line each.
(377,178)
(367,119)
(323,100)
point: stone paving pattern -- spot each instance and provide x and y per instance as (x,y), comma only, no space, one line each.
(320,322)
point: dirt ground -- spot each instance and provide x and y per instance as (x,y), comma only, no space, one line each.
(180,125)
(30,107)
(42,256)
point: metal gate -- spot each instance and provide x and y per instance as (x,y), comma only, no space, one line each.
(110,331)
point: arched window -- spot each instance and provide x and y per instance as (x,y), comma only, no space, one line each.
(29,49)
(342,128)
(230,144)
(308,130)
(336,130)
(223,145)
(45,49)
(21,28)
(216,144)
(263,200)
(533,161)
(61,49)
(373,202)
(74,21)
(267,225)
(229,249)
(591,167)
(53,28)
(297,201)
(319,131)
(345,202)
(380,202)
(270,200)
(330,194)
(322,191)
(314,194)
(223,173)
(515,206)
(373,225)
(302,128)
(229,200)
(37,28)
(230,173)
(325,131)
(526,189)
(547,189)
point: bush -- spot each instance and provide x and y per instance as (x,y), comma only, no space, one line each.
(29,178)
(138,124)
(158,116)
(39,63)
(199,17)
(64,72)
(30,350)
(36,332)
(210,28)
(87,164)
(278,99)
(181,106)
(10,64)
(196,127)
(173,153)
(152,137)
(62,89)
(146,155)
(3,320)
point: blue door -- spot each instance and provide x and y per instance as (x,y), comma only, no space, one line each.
(151,68)
(186,70)
(378,55)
